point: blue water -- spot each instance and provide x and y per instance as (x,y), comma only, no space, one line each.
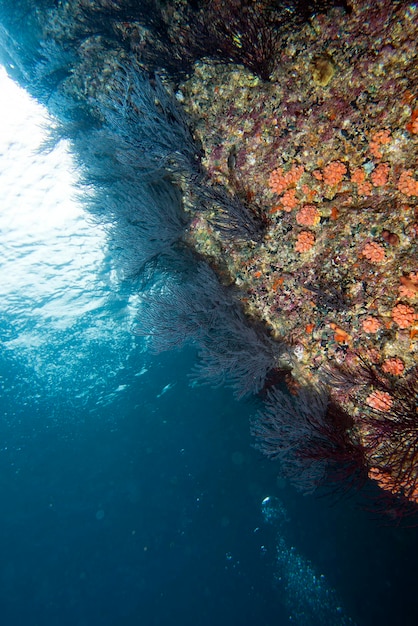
(128,494)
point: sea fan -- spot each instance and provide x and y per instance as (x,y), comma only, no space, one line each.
(237,353)
(233,217)
(152,130)
(198,308)
(309,437)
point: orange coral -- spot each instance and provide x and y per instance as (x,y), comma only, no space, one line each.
(279,180)
(380,175)
(379,400)
(304,242)
(358,175)
(403,315)
(365,188)
(378,139)
(317,174)
(409,286)
(289,200)
(371,324)
(333,173)
(308,216)
(412,125)
(407,486)
(407,183)
(374,252)
(340,335)
(394,366)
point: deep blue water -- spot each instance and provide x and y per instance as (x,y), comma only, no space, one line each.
(129,495)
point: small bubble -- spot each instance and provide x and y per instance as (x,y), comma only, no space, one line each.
(100,514)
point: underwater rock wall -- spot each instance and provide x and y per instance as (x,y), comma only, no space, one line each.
(326,152)
(261,188)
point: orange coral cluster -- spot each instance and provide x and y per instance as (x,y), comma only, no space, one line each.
(380,175)
(407,183)
(403,315)
(409,285)
(379,400)
(358,175)
(308,216)
(387,482)
(374,252)
(304,242)
(394,366)
(412,125)
(371,324)
(334,172)
(289,200)
(378,139)
(280,180)
(303,190)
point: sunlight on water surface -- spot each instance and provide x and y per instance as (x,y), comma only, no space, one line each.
(58,288)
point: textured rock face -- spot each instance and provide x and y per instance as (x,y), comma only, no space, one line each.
(293,139)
